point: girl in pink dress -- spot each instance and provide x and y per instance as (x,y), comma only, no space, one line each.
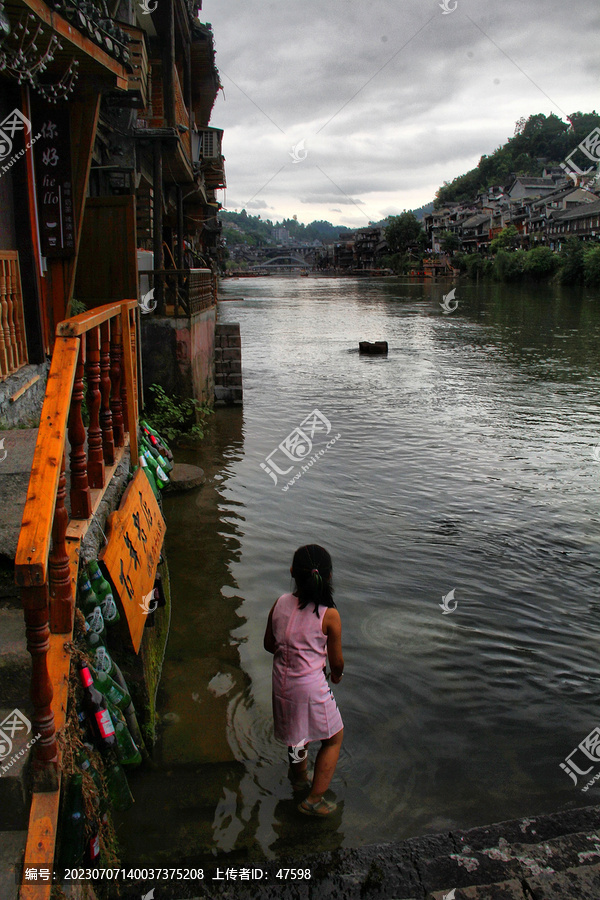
(304,630)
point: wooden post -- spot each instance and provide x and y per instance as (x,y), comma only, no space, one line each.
(62,602)
(157,224)
(45,766)
(116,404)
(108,441)
(95,454)
(129,385)
(81,501)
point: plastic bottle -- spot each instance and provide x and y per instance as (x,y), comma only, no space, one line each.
(103,592)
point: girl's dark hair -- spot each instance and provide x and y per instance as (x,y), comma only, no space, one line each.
(311,570)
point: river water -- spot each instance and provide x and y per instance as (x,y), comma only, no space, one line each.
(466,461)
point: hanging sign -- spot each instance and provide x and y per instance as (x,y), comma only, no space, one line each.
(54,185)
(135,539)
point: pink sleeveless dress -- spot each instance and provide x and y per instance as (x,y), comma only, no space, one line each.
(304,708)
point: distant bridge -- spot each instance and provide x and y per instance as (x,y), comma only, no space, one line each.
(284,262)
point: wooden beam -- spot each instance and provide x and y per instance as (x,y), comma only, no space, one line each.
(31,562)
(80,324)
(67,33)
(41,840)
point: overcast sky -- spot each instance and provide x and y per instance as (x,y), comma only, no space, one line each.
(384,100)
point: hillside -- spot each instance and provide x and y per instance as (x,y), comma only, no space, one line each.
(538,142)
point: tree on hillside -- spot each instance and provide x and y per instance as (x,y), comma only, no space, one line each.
(506,240)
(404,231)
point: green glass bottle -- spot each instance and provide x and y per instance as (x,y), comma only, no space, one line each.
(94,640)
(160,475)
(73,824)
(118,787)
(160,459)
(85,593)
(156,440)
(95,622)
(127,750)
(149,475)
(103,592)
(113,692)
(101,660)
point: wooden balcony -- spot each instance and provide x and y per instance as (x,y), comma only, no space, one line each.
(184,291)
(136,96)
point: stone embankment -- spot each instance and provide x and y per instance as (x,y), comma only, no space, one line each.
(553,857)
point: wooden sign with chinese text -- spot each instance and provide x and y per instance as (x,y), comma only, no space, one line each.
(52,155)
(137,532)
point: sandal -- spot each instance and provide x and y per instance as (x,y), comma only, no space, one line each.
(321,809)
(299,784)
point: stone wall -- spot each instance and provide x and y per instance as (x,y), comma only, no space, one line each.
(178,354)
(228,364)
(25,411)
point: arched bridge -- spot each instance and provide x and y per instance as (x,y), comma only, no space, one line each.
(284,262)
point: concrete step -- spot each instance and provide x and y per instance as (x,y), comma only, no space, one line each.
(15,660)
(12,847)
(14,759)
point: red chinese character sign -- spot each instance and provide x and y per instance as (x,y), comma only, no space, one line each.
(135,538)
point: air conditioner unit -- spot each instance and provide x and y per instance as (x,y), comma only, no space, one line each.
(210,146)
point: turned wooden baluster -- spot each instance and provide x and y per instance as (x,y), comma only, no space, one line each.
(12,314)
(81,501)
(4,348)
(62,602)
(108,441)
(15,291)
(124,405)
(95,460)
(116,404)
(45,763)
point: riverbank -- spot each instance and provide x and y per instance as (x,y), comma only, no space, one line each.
(552,857)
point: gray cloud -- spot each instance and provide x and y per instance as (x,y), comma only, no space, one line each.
(387,121)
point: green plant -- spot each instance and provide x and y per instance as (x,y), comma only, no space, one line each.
(174,417)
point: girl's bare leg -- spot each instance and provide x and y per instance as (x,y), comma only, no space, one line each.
(325,764)
(298,768)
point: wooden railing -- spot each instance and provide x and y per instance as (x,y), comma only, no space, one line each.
(13,348)
(102,344)
(192,290)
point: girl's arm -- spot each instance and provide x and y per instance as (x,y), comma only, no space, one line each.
(332,626)
(269,641)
